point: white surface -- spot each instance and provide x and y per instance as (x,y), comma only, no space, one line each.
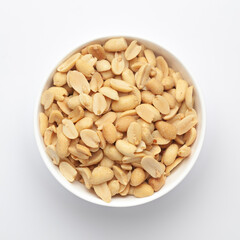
(35,35)
(176,176)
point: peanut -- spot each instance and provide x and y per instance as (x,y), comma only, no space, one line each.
(143,190)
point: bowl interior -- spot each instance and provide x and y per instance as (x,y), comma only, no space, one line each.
(176,176)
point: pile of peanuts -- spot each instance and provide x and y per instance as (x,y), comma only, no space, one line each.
(118,119)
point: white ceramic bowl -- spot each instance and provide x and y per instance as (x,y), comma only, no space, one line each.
(176,176)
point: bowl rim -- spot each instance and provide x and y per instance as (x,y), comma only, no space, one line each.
(140,201)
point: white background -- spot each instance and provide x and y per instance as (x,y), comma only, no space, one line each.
(34,35)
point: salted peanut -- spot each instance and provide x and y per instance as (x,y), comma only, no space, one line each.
(59,79)
(168,83)
(162,65)
(55,116)
(69,172)
(166,130)
(109,132)
(50,135)
(140,147)
(152,166)
(148,113)
(100,175)
(137,177)
(133,50)
(125,103)
(43,122)
(97,51)
(51,151)
(111,152)
(190,136)
(86,101)
(118,64)
(78,82)
(96,82)
(103,65)
(84,51)
(120,175)
(173,165)
(134,133)
(144,124)
(161,104)
(186,124)
(128,113)
(189,97)
(157,183)
(86,174)
(143,190)
(147,136)
(170,154)
(58,93)
(73,102)
(109,117)
(155,86)
(47,99)
(181,89)
(114,187)
(142,75)
(184,151)
(123,123)
(106,162)
(69,63)
(120,86)
(103,191)
(84,123)
(150,56)
(171,100)
(90,138)
(99,104)
(83,149)
(128,76)
(126,148)
(109,92)
(127,167)
(69,129)
(76,114)
(115,45)
(147,97)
